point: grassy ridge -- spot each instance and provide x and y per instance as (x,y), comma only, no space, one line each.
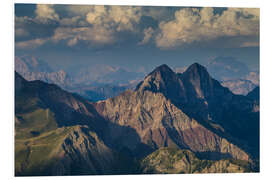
(175,161)
(34,123)
(34,156)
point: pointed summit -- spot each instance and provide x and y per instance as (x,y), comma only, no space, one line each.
(164,69)
(197,71)
(198,82)
(163,80)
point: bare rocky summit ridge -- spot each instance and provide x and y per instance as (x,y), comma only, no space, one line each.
(189,111)
(165,81)
(183,110)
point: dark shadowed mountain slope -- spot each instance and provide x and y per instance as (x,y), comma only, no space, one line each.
(212,104)
(163,80)
(190,112)
(254,94)
(187,111)
(59,133)
(200,85)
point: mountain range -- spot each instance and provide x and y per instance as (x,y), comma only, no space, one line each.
(239,86)
(105,74)
(231,73)
(170,123)
(99,82)
(227,68)
(32,68)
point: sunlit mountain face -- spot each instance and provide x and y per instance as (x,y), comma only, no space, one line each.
(136,90)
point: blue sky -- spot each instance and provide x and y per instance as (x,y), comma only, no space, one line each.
(69,36)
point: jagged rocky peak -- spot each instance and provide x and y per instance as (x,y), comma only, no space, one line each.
(196,71)
(199,82)
(161,73)
(163,69)
(163,80)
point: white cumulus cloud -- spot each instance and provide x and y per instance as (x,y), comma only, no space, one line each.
(46,11)
(148,33)
(195,25)
(97,36)
(120,18)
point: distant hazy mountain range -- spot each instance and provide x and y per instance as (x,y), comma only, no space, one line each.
(239,86)
(104,74)
(96,82)
(170,123)
(32,68)
(227,68)
(233,74)
(99,82)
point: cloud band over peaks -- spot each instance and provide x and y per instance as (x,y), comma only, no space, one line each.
(162,27)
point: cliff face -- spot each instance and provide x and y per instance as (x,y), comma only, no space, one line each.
(159,123)
(174,113)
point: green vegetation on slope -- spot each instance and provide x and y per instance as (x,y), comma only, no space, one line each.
(34,156)
(175,161)
(34,123)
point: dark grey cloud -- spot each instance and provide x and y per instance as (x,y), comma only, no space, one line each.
(27,28)
(163,27)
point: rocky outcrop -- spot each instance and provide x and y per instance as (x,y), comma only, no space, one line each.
(83,152)
(157,111)
(175,161)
